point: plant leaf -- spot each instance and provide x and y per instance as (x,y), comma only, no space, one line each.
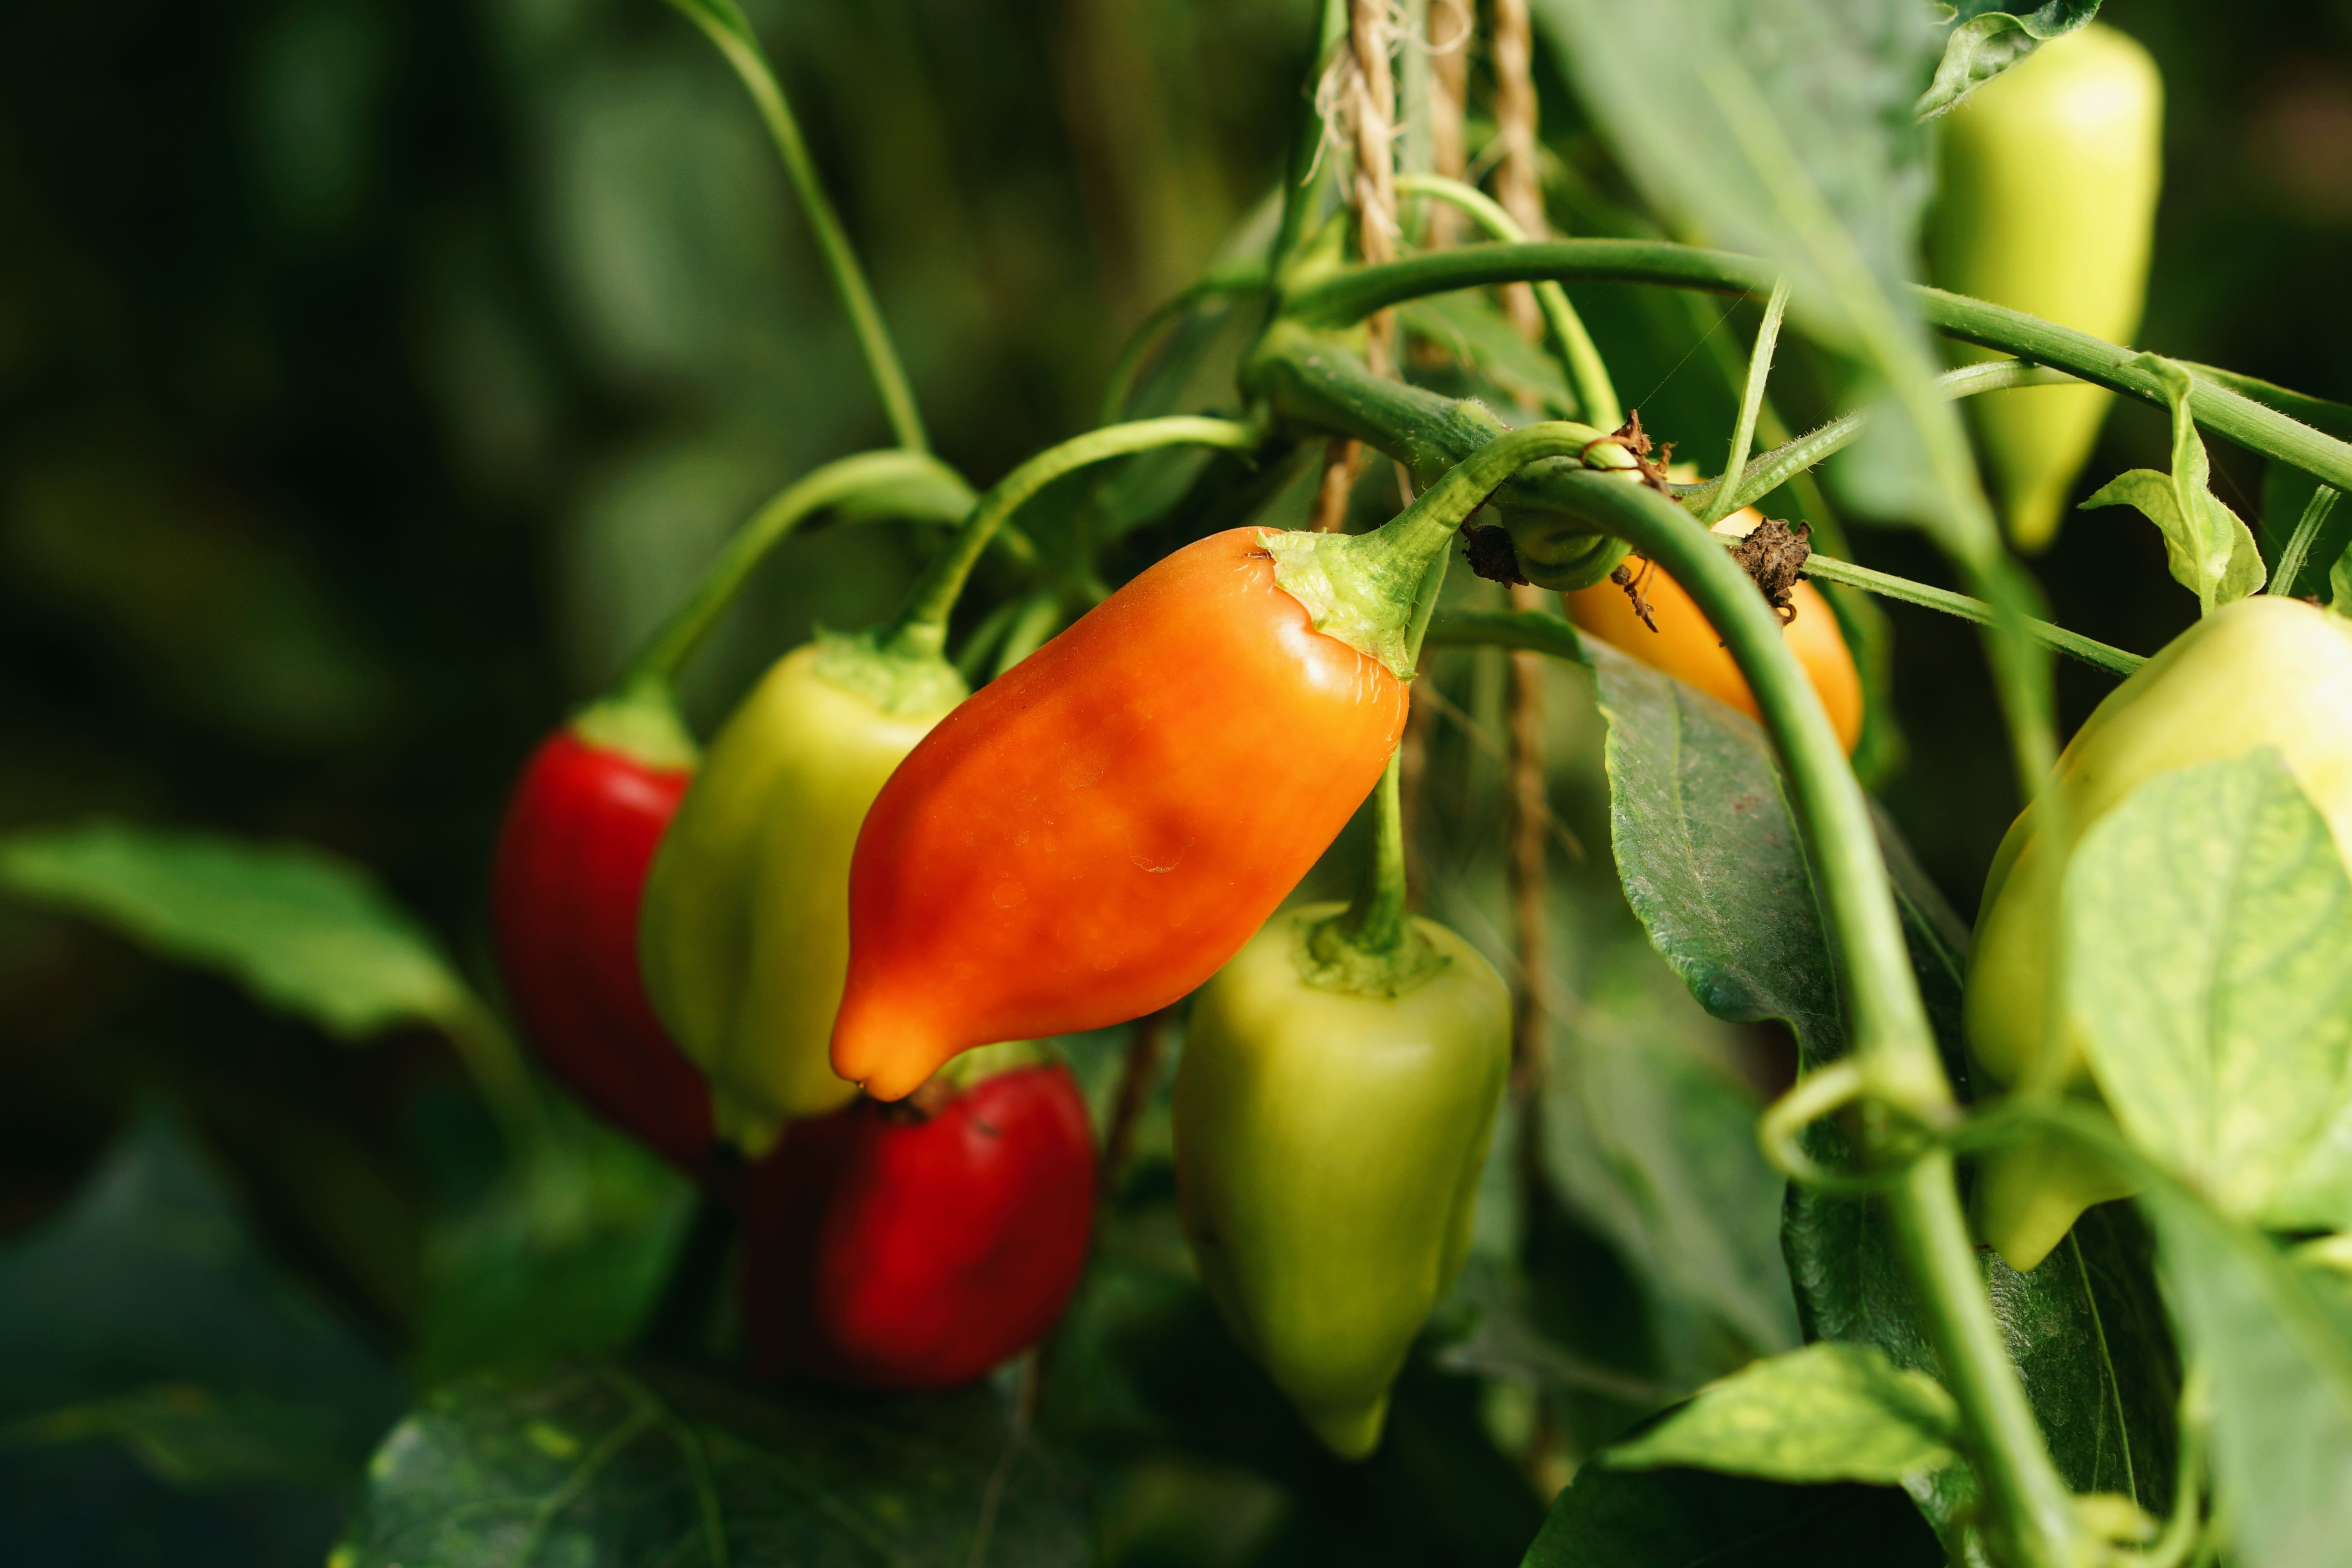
(2210,550)
(1985,42)
(1826,1413)
(1710,861)
(1695,1518)
(144,1313)
(603,1465)
(2278,1340)
(2208,973)
(305,931)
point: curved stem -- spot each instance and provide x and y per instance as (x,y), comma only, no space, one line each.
(1119,384)
(1776,467)
(2298,545)
(910,485)
(1349,296)
(1595,393)
(1751,399)
(724,24)
(2027,1499)
(921,627)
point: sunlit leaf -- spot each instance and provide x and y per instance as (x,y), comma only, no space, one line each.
(1826,1413)
(2208,547)
(1987,40)
(2278,1341)
(308,934)
(2208,973)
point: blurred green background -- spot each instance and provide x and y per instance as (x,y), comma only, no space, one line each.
(373,376)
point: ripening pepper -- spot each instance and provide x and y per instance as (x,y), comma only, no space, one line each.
(1099,829)
(917,1244)
(571,864)
(1686,646)
(1329,1140)
(2050,179)
(2264,671)
(745,930)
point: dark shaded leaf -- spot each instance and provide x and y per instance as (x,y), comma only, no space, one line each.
(632,1470)
(1697,1519)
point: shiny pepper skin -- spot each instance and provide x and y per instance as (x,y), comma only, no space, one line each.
(2264,671)
(1686,646)
(1099,829)
(888,1250)
(745,927)
(2051,172)
(570,868)
(1328,1151)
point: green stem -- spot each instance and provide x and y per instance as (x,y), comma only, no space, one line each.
(921,629)
(1375,922)
(1367,589)
(2073,644)
(1119,384)
(2306,530)
(912,485)
(724,24)
(1715,509)
(1302,190)
(1596,394)
(1785,462)
(2027,1502)
(1348,297)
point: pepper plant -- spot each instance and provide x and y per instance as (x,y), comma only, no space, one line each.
(1056,1169)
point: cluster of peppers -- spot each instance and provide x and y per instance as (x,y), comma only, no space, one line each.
(830,943)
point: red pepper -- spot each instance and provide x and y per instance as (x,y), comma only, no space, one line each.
(885,1249)
(1101,827)
(572,859)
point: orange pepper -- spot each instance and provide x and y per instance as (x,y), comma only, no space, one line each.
(1686,646)
(1096,831)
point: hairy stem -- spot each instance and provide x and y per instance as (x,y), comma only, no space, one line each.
(1716,506)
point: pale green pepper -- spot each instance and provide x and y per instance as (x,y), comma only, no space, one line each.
(2050,179)
(1330,1124)
(2264,671)
(744,934)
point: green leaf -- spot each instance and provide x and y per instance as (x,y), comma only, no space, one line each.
(143,1313)
(2288,491)
(2208,973)
(1985,42)
(1695,1518)
(635,1469)
(2278,1341)
(306,933)
(1711,862)
(1826,1413)
(2210,550)
(564,1254)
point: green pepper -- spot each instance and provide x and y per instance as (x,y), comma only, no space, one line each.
(744,937)
(2264,671)
(1329,1130)
(2050,179)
